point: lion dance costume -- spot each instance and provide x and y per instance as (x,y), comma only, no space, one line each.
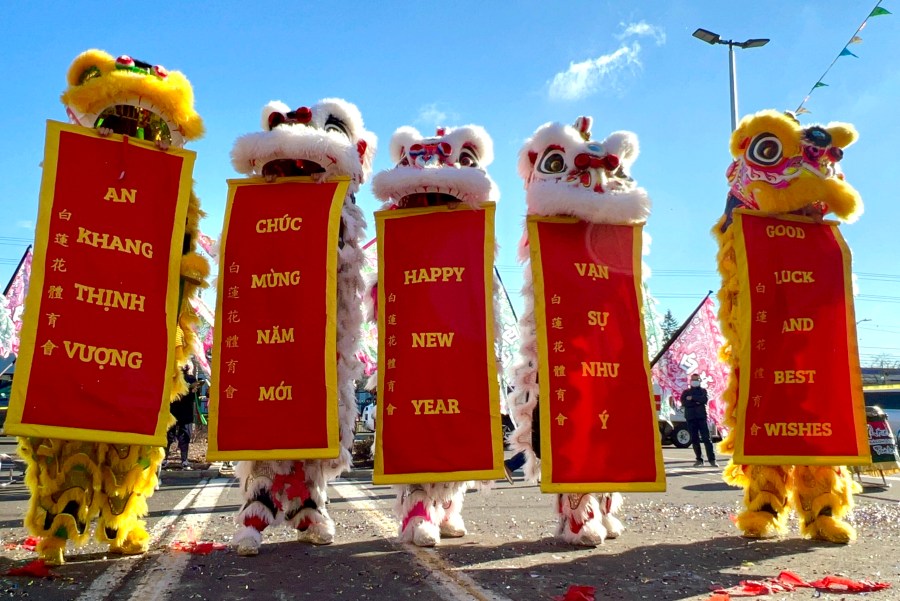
(781,167)
(566,173)
(72,482)
(447,168)
(324,140)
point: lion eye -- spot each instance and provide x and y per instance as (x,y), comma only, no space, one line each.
(336,125)
(88,74)
(467,158)
(553,162)
(765,150)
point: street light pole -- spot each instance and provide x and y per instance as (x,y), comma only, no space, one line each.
(733,80)
(713,39)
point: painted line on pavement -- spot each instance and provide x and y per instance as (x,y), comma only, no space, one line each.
(157,580)
(450,582)
(109,580)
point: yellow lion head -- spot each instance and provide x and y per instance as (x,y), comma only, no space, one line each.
(132,98)
(782,167)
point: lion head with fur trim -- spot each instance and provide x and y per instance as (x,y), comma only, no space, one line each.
(322,140)
(566,172)
(447,168)
(132,98)
(781,166)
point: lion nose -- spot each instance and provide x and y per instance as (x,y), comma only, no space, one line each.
(586,160)
(301,115)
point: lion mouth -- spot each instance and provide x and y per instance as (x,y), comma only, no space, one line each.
(291,168)
(135,121)
(426,199)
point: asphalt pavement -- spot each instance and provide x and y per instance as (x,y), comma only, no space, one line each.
(677,545)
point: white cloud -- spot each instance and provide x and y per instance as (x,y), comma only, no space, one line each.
(25,225)
(434,116)
(642,28)
(582,79)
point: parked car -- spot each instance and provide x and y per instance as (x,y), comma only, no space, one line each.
(5,391)
(886,397)
(674,430)
(367,417)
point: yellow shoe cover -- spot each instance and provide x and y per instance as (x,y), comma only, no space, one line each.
(51,550)
(758,524)
(829,529)
(136,542)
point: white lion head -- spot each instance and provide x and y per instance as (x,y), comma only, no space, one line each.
(444,168)
(568,173)
(326,139)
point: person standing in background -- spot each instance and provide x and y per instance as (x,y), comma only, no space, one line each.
(183,411)
(694,401)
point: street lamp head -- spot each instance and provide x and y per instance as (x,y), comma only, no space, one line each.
(707,36)
(753,43)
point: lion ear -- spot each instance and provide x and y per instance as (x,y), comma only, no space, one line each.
(268,120)
(842,134)
(88,65)
(623,144)
(365,147)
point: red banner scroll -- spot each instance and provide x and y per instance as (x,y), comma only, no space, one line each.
(599,429)
(274,392)
(438,394)
(800,389)
(101,311)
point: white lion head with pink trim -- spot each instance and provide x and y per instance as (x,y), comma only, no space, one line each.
(441,169)
(323,140)
(568,173)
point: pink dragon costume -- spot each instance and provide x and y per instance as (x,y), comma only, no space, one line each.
(566,173)
(324,140)
(781,167)
(446,168)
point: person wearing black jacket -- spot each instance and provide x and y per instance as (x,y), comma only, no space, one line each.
(183,411)
(693,401)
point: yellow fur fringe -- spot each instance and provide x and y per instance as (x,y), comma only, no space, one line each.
(821,496)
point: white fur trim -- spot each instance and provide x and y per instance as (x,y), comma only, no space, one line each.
(370,294)
(452,524)
(587,513)
(524,398)
(622,201)
(336,153)
(418,530)
(549,198)
(623,144)
(475,135)
(471,186)
(247,540)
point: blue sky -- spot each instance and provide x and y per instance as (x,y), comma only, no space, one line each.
(509,67)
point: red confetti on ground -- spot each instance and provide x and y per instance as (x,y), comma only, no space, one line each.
(34,569)
(201,547)
(788,581)
(577,593)
(840,584)
(29,544)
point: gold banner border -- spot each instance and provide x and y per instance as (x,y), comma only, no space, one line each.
(378,474)
(745,323)
(14,424)
(214,453)
(548,485)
